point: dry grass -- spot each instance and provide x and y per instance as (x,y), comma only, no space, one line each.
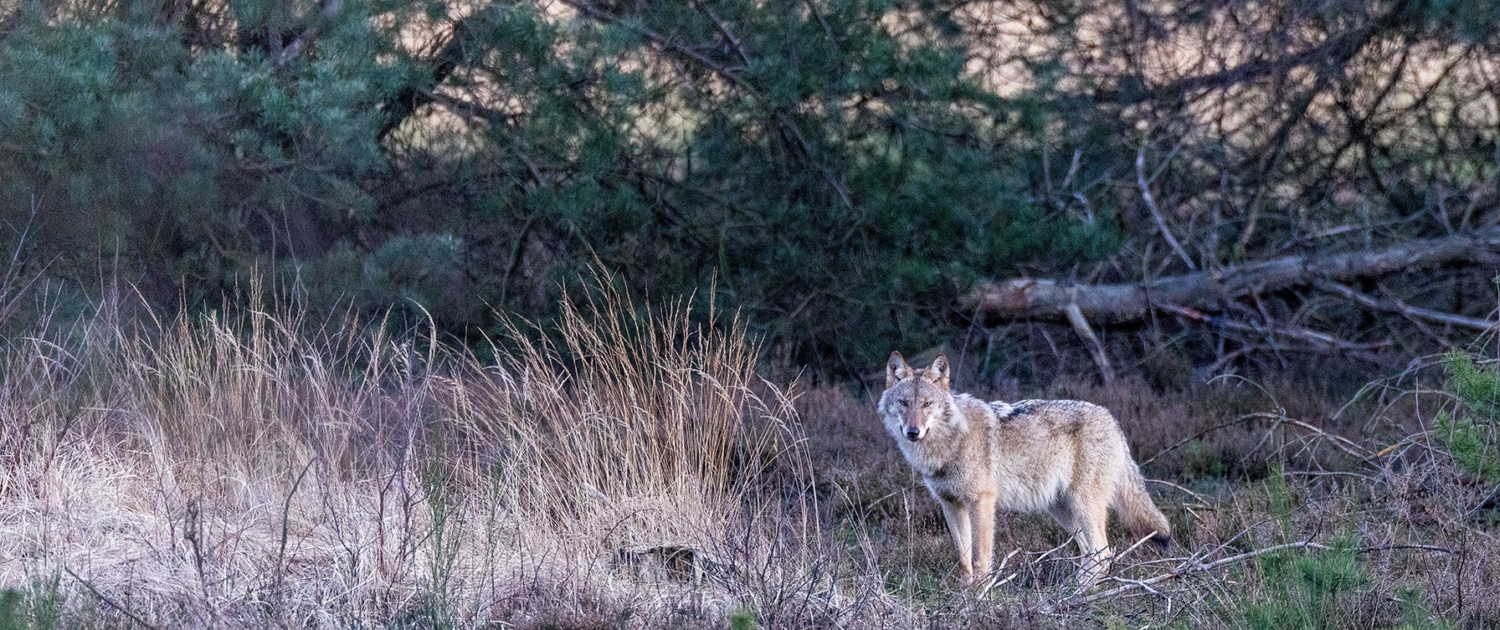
(241,471)
(629,469)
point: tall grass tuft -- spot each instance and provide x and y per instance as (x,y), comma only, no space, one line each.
(629,420)
(253,467)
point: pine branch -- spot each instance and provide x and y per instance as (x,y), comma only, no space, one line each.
(456,51)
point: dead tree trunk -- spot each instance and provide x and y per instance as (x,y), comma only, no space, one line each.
(993,302)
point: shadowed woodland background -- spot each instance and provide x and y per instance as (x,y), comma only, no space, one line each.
(843,172)
(567,314)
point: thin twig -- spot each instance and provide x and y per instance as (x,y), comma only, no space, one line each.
(1415,547)
(1161,223)
(286,510)
(1133,547)
(1414,313)
(1221,425)
(1096,348)
(995,580)
(1342,443)
(723,29)
(1329,342)
(1330,473)
(1199,497)
(1191,566)
(107,601)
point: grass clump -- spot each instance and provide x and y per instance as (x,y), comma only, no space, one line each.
(1469,434)
(253,469)
(1307,589)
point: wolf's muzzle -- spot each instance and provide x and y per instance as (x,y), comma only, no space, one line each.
(913,433)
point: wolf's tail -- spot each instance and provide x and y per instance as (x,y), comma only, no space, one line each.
(1137,512)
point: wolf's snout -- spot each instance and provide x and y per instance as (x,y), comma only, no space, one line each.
(913,433)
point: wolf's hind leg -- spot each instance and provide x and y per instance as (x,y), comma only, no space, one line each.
(956,514)
(1092,541)
(1087,528)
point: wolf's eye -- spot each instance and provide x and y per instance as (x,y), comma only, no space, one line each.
(926,404)
(903,402)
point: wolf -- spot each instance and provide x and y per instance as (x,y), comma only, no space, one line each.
(1066,458)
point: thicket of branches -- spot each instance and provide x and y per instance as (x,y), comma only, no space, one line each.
(845,171)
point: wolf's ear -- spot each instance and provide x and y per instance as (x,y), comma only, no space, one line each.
(896,369)
(938,371)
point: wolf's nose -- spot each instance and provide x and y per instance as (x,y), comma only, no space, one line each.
(913,433)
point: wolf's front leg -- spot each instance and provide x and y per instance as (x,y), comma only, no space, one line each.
(956,514)
(982,517)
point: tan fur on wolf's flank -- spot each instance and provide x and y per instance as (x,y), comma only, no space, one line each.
(1066,458)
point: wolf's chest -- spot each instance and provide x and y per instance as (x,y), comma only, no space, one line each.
(949,483)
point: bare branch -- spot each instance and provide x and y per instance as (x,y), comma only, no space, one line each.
(992,302)
(1402,308)
(1319,340)
(1101,358)
(723,29)
(1191,566)
(1144,185)
(1341,48)
(1240,420)
(107,601)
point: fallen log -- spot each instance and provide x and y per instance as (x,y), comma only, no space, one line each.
(1020,298)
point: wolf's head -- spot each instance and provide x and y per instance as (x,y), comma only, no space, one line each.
(915,402)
